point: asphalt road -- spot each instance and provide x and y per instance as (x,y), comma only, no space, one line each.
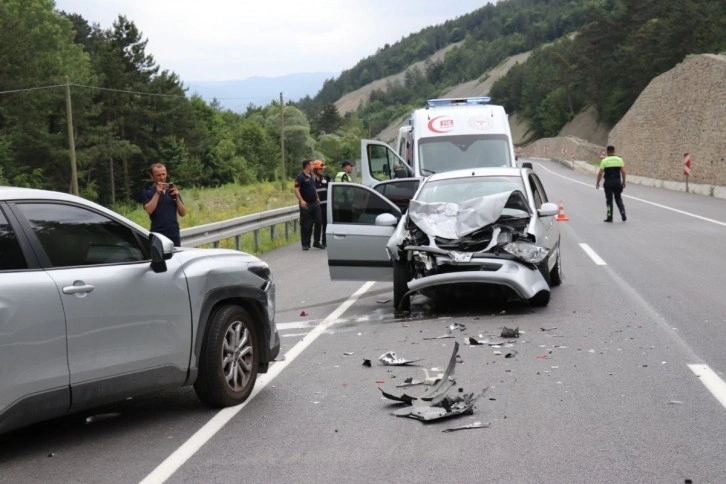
(619,379)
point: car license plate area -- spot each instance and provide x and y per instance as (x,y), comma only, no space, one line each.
(460,257)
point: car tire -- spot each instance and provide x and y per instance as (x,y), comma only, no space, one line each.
(229,358)
(556,274)
(401,276)
(540,299)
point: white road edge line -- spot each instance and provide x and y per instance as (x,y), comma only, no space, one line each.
(593,255)
(712,381)
(172,463)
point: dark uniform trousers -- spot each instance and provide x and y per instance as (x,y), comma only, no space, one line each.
(308,217)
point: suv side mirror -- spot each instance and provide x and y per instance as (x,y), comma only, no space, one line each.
(161,249)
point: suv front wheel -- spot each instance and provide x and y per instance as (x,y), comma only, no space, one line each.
(229,358)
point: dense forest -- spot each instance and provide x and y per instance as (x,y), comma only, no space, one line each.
(128,112)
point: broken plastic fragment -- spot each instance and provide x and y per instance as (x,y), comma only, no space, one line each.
(367,363)
(511,354)
(443,336)
(445,408)
(475,425)
(348,353)
(455,326)
(510,333)
(303,313)
(472,342)
(390,358)
(436,392)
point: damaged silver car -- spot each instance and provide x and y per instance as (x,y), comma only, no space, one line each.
(488,231)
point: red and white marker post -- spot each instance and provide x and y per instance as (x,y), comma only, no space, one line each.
(686,167)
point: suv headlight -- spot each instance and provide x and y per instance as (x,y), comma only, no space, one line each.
(261,269)
(526,251)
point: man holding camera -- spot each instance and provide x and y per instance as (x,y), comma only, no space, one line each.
(162,201)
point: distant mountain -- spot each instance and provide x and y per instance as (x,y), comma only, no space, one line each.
(260,91)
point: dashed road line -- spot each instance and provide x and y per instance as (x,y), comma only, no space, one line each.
(712,381)
(593,255)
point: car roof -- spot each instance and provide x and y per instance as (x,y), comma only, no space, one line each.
(19,193)
(467,173)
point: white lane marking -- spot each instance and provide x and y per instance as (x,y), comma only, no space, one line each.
(593,255)
(711,380)
(665,207)
(172,463)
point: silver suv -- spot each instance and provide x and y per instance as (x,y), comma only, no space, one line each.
(94,309)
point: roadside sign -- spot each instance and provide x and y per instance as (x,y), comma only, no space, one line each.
(686,164)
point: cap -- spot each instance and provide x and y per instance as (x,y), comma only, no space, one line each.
(317,164)
(347,163)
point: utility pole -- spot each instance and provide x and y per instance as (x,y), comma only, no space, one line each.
(71,140)
(282,143)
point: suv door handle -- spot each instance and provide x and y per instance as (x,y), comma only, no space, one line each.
(86,288)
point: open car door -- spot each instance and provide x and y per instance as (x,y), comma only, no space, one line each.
(380,162)
(360,222)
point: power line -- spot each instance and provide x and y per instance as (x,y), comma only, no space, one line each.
(32,88)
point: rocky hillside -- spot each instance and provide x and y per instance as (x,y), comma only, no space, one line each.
(682,110)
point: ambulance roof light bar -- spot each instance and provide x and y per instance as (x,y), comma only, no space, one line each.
(457,101)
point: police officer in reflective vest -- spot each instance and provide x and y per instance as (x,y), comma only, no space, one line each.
(613,168)
(321,185)
(345,176)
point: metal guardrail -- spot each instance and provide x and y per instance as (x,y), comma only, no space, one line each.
(216,232)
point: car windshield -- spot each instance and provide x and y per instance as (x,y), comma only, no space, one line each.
(447,153)
(458,190)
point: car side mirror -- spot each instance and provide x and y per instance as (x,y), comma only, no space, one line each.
(161,249)
(527,164)
(548,209)
(386,219)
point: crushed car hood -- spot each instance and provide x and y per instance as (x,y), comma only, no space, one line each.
(454,220)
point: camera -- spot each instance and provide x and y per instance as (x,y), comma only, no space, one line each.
(171,185)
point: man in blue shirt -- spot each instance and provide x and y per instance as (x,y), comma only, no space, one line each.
(307,196)
(162,201)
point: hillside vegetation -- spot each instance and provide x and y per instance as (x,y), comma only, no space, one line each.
(546,61)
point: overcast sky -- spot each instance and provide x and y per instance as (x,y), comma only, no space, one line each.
(216,40)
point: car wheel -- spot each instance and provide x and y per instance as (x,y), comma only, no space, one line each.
(401,276)
(540,299)
(229,358)
(556,274)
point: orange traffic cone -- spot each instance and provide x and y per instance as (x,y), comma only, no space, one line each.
(561,217)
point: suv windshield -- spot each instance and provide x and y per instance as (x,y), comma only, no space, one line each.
(458,190)
(446,153)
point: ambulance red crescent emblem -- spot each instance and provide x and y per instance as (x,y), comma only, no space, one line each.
(441,124)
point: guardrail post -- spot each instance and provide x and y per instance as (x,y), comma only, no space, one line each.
(257,240)
(237,244)
(215,244)
(287,231)
(272,232)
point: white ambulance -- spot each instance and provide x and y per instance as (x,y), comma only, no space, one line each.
(447,134)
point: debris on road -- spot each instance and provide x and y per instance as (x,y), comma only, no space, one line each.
(367,363)
(472,342)
(510,333)
(383,301)
(303,313)
(434,403)
(548,329)
(391,359)
(457,326)
(443,336)
(101,416)
(475,425)
(444,408)
(348,353)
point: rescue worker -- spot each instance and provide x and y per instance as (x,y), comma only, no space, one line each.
(345,176)
(321,185)
(307,197)
(613,168)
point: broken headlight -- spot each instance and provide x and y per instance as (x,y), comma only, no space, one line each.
(527,251)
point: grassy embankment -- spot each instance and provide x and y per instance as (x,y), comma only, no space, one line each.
(206,205)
